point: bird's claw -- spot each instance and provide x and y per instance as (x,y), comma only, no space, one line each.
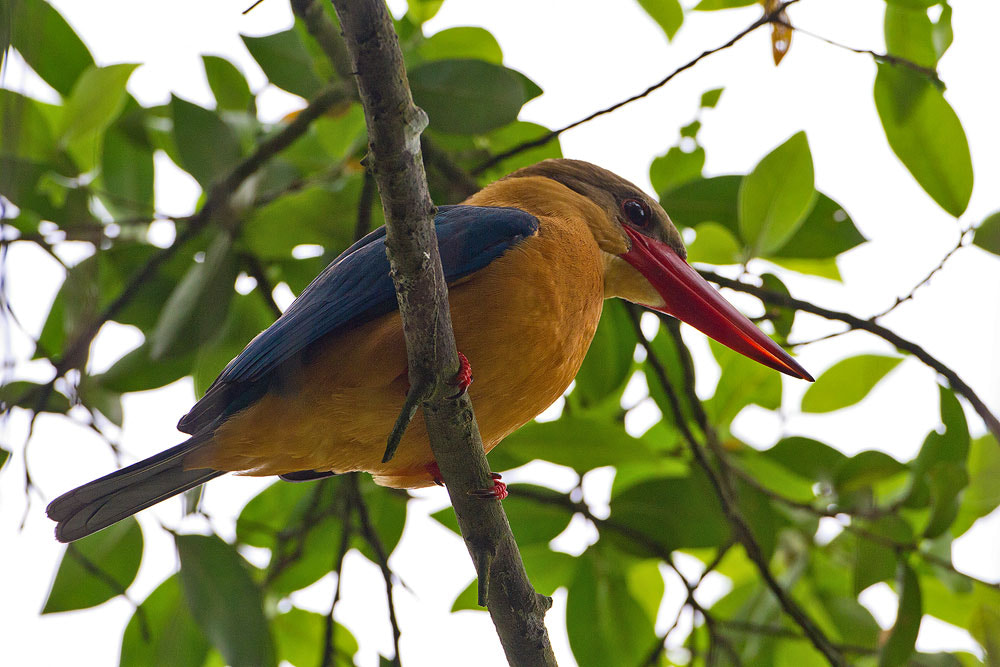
(463,378)
(498,491)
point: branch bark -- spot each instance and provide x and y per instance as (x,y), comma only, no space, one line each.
(394,127)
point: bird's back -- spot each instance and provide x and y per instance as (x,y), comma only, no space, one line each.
(525,322)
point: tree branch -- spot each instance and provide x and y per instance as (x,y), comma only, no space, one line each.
(371,536)
(394,126)
(768,17)
(957,384)
(723,489)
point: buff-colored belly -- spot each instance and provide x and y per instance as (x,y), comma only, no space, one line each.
(524,322)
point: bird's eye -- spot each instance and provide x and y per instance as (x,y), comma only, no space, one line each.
(637,212)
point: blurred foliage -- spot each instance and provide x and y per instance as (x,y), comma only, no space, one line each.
(83,169)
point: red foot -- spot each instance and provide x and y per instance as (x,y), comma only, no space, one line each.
(435,472)
(464,376)
(499,490)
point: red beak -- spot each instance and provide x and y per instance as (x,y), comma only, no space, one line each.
(690,298)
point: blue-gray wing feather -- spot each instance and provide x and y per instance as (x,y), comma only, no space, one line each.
(356,287)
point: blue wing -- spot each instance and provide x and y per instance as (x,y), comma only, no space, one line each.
(354,288)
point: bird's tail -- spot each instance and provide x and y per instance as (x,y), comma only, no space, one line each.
(121,494)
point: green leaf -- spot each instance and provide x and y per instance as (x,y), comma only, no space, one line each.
(984,626)
(951,446)
(4,457)
(776,196)
(704,200)
(286,61)
(197,308)
(579,443)
(27,131)
(847,382)
(319,214)
(248,316)
(531,520)
(387,513)
(96,100)
(781,318)
(712,5)
(987,235)
(982,495)
(298,524)
(24,394)
(421,11)
(826,232)
(710,98)
(743,382)
(714,244)
(47,42)
(876,561)
(941,32)
(606,624)
(97,568)
(806,458)
(299,635)
(467,96)
(609,359)
(663,512)
(461,43)
(207,147)
(909,34)
(162,631)
(136,371)
(865,469)
(514,134)
(690,131)
(127,172)
(667,13)
(926,135)
(224,600)
(899,646)
(227,83)
(774,476)
(676,167)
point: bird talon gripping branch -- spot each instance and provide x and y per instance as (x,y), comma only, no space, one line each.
(463,378)
(498,490)
(528,260)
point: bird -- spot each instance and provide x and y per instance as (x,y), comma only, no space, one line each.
(529,261)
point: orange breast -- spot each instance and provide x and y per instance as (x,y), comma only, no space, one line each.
(525,323)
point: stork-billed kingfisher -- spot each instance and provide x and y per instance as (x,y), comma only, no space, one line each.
(529,261)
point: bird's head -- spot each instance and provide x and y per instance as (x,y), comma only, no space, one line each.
(645,263)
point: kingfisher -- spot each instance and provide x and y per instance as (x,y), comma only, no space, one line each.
(529,261)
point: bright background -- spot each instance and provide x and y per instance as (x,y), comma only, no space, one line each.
(585,55)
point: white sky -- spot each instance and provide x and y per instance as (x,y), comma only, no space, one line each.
(585,55)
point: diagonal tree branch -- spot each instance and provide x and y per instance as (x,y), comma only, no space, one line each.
(394,127)
(723,488)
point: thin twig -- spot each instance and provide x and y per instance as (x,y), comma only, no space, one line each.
(723,490)
(898,61)
(375,542)
(957,384)
(264,286)
(963,240)
(546,138)
(329,629)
